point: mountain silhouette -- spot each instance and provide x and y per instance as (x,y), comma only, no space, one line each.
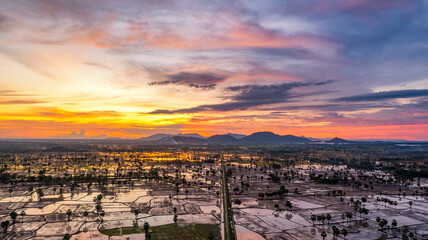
(269,137)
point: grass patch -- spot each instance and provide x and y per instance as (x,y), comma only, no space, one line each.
(125,231)
(171,231)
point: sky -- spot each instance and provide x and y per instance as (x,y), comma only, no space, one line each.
(355,69)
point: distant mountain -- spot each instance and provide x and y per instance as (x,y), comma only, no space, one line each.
(196,135)
(237,136)
(188,140)
(222,139)
(162,136)
(381,140)
(269,137)
(181,140)
(156,137)
(316,139)
(338,141)
(216,139)
(167,140)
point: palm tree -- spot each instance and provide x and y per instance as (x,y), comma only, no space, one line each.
(102,214)
(85,214)
(69,213)
(383,223)
(313,218)
(323,219)
(344,233)
(336,231)
(348,215)
(288,205)
(211,236)
(364,200)
(22,215)
(394,223)
(328,217)
(5,225)
(13,215)
(411,204)
(40,193)
(323,235)
(319,218)
(146,227)
(136,212)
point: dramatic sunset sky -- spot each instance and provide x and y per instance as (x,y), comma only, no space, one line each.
(347,68)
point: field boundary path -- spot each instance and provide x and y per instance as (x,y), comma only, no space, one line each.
(229,227)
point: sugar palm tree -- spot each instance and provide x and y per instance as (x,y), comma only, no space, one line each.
(328,217)
(69,213)
(22,215)
(288,205)
(146,227)
(102,214)
(5,225)
(211,236)
(313,218)
(85,214)
(13,215)
(40,193)
(335,230)
(323,235)
(136,212)
(344,233)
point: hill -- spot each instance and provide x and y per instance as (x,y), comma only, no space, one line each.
(269,137)
(337,140)
(220,139)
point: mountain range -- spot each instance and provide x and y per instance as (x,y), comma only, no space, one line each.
(255,138)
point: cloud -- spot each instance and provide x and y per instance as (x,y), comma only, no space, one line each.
(3,22)
(248,96)
(256,46)
(81,135)
(11,93)
(345,107)
(60,113)
(386,95)
(350,6)
(10,97)
(15,102)
(196,80)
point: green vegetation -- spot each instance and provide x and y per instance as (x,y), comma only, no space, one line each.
(171,231)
